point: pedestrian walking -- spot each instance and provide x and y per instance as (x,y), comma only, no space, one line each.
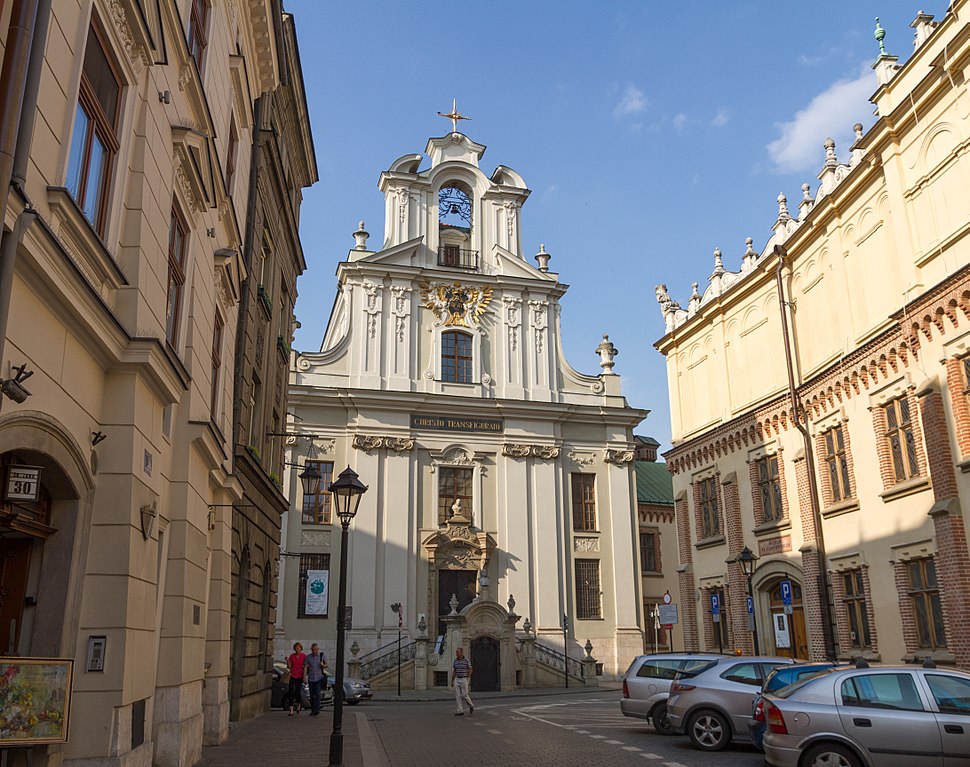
(461,672)
(316,662)
(296,664)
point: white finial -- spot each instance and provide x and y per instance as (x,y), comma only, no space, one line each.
(783,214)
(830,159)
(543,258)
(361,236)
(607,351)
(718,262)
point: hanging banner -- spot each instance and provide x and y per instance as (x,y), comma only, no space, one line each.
(317,592)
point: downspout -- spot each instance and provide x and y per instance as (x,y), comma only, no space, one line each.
(18,162)
(13,84)
(248,245)
(823,586)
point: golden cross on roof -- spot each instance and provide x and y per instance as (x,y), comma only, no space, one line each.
(454,115)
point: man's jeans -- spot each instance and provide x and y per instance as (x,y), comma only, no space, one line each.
(461,693)
(315,690)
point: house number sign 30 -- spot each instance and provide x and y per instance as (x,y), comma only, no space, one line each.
(22,483)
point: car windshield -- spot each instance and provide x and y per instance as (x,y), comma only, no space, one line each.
(785,692)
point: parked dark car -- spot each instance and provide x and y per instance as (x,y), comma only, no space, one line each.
(776,679)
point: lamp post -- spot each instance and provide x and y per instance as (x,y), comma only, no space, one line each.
(346,492)
(396,607)
(565,649)
(746,559)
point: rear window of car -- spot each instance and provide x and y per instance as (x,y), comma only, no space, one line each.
(743,673)
(893,691)
(659,669)
(694,668)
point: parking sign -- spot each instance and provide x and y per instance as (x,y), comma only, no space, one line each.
(786,592)
(750,606)
(715,604)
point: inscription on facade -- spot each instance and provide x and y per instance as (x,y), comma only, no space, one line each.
(774,545)
(456,423)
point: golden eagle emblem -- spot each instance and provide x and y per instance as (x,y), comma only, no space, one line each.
(455,304)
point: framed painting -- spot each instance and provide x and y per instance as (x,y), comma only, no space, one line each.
(35,700)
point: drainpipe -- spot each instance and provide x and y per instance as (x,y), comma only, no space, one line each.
(13,78)
(17,163)
(797,412)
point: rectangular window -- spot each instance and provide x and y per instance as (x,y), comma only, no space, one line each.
(177,236)
(584,502)
(650,551)
(966,377)
(928,610)
(855,608)
(899,434)
(231,150)
(588,590)
(837,465)
(94,141)
(214,397)
(456,357)
(450,255)
(198,18)
(255,414)
(769,486)
(454,484)
(316,506)
(315,584)
(710,516)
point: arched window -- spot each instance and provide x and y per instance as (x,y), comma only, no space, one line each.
(456,357)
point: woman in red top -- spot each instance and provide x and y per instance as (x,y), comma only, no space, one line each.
(296,664)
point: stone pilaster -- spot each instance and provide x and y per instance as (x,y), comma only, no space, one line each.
(811,564)
(685,575)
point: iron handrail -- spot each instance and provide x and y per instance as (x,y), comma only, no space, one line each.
(387,661)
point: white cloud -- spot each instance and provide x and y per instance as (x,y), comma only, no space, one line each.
(831,113)
(680,120)
(721,118)
(810,61)
(631,102)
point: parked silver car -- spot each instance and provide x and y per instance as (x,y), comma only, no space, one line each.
(647,684)
(713,707)
(895,716)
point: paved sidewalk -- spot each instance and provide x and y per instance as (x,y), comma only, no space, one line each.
(304,741)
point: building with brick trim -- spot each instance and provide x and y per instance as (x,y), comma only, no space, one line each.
(819,395)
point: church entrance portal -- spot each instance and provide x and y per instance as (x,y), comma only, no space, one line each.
(486,665)
(462,584)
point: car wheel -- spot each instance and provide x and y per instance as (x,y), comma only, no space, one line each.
(709,731)
(661,719)
(829,755)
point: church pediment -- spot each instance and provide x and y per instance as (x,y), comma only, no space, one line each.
(511,265)
(405,254)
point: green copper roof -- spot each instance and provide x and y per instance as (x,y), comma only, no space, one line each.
(654,483)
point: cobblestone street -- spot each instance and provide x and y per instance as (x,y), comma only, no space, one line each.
(562,730)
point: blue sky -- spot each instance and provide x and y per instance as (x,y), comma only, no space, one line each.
(650,133)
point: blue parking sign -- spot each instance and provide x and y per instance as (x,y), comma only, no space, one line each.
(750,606)
(786,592)
(715,604)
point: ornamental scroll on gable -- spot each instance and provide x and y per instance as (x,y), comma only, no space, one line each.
(454,304)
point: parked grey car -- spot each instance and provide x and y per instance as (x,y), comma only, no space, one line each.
(647,684)
(713,707)
(885,716)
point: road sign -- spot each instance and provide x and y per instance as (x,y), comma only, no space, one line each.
(715,603)
(785,592)
(789,609)
(668,614)
(750,606)
(666,598)
(716,617)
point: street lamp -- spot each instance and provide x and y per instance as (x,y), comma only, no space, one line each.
(310,477)
(396,607)
(346,493)
(746,559)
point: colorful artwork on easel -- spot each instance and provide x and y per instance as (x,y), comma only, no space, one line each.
(35,700)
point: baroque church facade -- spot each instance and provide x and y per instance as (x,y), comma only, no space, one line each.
(820,396)
(500,479)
